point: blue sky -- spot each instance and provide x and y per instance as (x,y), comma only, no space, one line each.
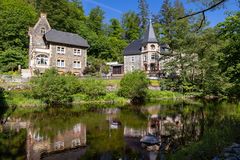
(115,8)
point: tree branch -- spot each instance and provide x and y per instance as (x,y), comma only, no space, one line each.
(203,11)
(202,21)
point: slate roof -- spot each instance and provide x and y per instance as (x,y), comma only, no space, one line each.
(133,48)
(65,38)
(149,36)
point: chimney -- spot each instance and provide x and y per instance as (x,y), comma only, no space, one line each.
(43,15)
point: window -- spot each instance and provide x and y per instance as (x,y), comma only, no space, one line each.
(145,58)
(59,145)
(153,56)
(145,47)
(77,51)
(76,143)
(153,47)
(61,50)
(41,59)
(43,30)
(133,67)
(60,63)
(133,59)
(76,64)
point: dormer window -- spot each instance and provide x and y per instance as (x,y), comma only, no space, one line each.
(145,48)
(43,30)
(153,47)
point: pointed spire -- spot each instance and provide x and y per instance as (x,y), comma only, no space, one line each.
(149,35)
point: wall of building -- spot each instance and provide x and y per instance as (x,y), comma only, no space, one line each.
(130,64)
(68,58)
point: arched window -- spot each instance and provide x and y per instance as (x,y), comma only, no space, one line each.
(42,59)
(43,30)
(153,47)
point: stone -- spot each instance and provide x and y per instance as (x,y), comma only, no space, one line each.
(231,158)
(236,150)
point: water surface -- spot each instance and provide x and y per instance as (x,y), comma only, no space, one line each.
(114,133)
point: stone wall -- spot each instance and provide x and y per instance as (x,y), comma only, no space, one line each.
(129,63)
(69,58)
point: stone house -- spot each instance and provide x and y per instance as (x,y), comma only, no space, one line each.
(145,54)
(52,48)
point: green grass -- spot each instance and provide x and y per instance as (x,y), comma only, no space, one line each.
(22,98)
(156,94)
(112,82)
(110,97)
(154,83)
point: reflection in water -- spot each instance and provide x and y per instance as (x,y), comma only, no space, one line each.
(40,146)
(108,133)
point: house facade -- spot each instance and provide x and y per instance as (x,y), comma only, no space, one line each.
(67,52)
(145,54)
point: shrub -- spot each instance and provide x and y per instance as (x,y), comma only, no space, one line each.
(53,88)
(134,86)
(93,88)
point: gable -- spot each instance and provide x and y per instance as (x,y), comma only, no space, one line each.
(42,24)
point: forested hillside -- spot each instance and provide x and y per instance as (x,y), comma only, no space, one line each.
(208,58)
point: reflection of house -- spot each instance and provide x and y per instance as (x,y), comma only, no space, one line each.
(144,54)
(51,48)
(132,132)
(69,139)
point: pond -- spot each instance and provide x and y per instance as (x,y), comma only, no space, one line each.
(195,130)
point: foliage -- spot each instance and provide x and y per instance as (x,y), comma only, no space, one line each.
(230,60)
(53,88)
(22,98)
(15,18)
(13,144)
(134,86)
(115,29)
(95,20)
(93,88)
(131,22)
(143,15)
(11,58)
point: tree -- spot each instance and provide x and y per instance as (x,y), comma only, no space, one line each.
(15,18)
(131,22)
(116,29)
(210,4)
(11,58)
(53,88)
(143,14)
(95,20)
(62,14)
(229,30)
(134,86)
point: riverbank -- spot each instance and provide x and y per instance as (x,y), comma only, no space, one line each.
(24,98)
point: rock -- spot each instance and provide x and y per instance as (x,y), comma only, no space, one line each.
(226,155)
(216,158)
(228,150)
(235,145)
(236,150)
(231,158)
